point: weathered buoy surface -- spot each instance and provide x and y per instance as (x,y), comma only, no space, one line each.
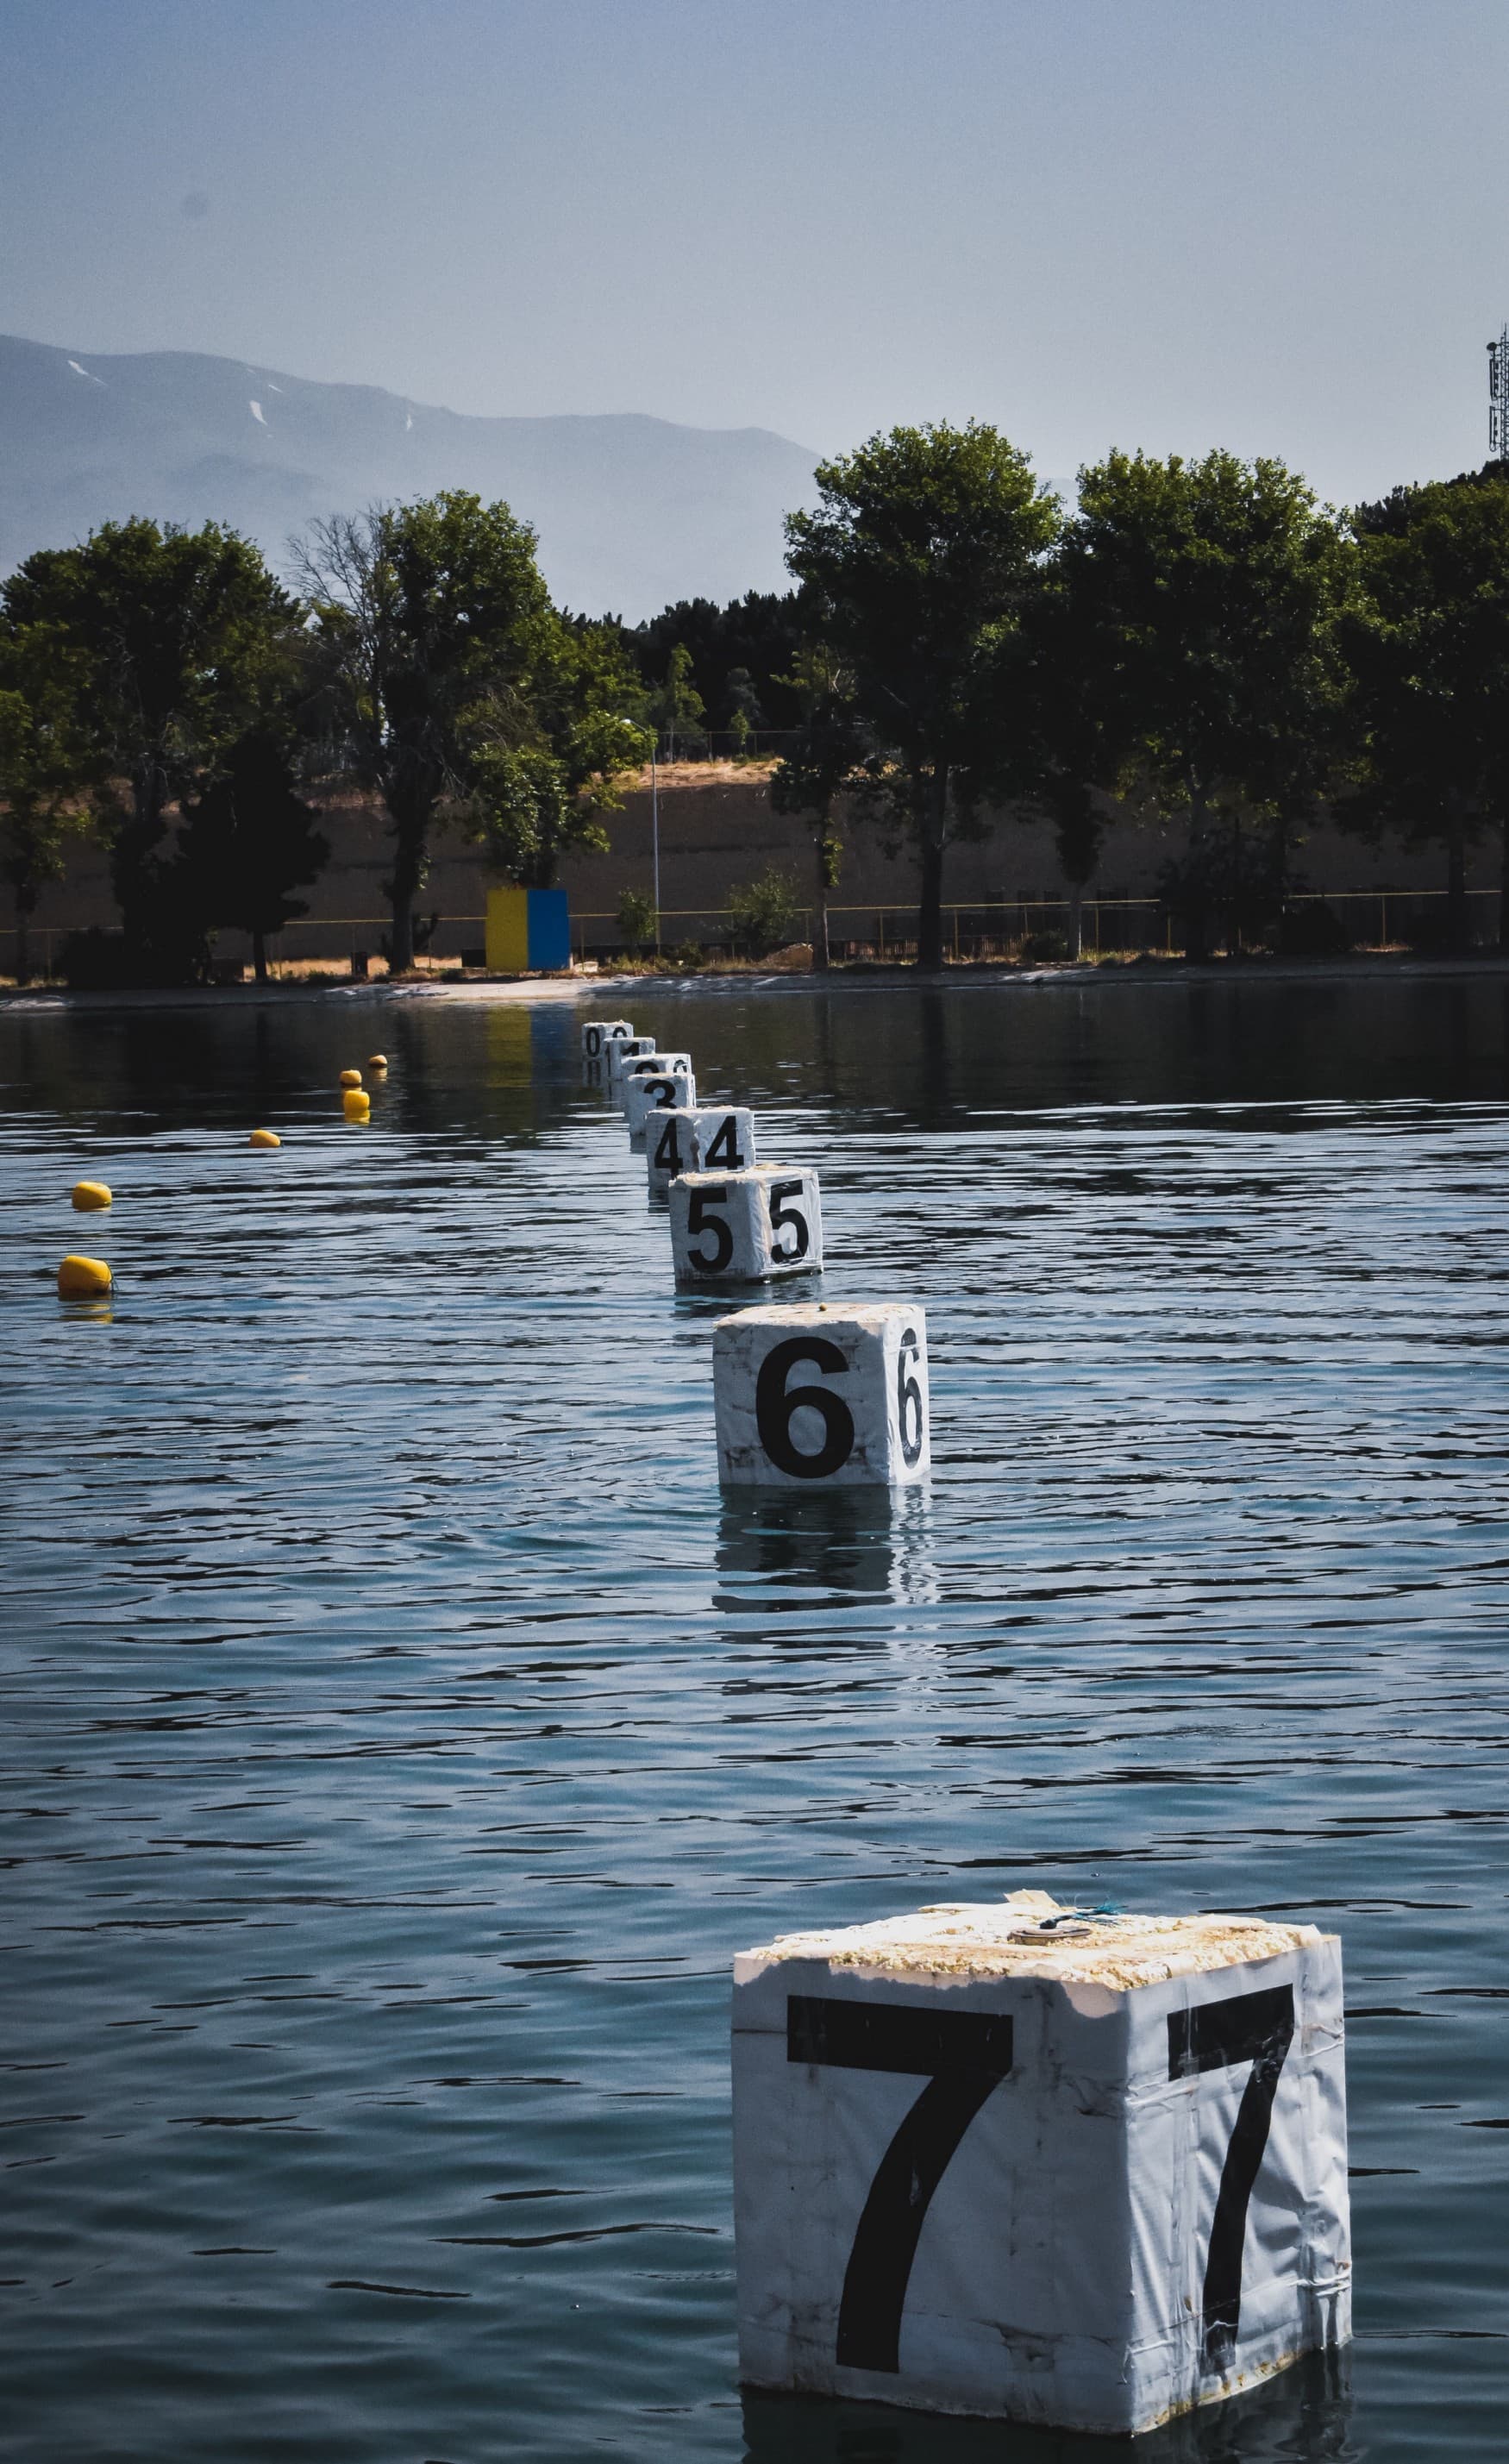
(821,1395)
(350,1078)
(600,1032)
(1038,2163)
(377,1060)
(743,1227)
(621,1051)
(668,1148)
(355,1103)
(82,1279)
(264,1139)
(90,1195)
(655,1091)
(722,1138)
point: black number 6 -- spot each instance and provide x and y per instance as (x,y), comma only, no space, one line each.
(908,1398)
(775,1405)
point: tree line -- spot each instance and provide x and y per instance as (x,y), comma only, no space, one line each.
(1199,641)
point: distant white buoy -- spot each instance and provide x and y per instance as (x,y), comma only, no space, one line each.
(1038,2163)
(600,1032)
(653,1064)
(821,1395)
(741,1227)
(655,1091)
(621,1051)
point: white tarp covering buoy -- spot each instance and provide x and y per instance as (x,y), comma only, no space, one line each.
(722,1138)
(656,1090)
(620,1050)
(1039,2164)
(668,1150)
(743,1227)
(600,1032)
(816,1396)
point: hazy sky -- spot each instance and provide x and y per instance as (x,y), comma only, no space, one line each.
(1276,225)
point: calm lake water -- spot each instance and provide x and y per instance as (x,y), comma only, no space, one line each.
(401,1735)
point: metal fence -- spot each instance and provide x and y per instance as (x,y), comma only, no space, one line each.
(973,930)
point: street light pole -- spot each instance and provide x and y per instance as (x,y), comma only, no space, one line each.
(654,824)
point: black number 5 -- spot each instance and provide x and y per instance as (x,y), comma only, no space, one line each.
(698,1220)
(963,2055)
(1257,2028)
(784,1218)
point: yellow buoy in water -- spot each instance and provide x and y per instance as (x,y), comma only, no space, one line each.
(356,1105)
(377,1060)
(264,1139)
(82,1279)
(89,1196)
(351,1078)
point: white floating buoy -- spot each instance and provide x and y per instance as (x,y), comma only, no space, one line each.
(722,1138)
(1039,2164)
(655,1091)
(817,1395)
(620,1052)
(668,1150)
(600,1032)
(652,1064)
(741,1227)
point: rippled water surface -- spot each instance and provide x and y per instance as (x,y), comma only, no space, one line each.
(400,1735)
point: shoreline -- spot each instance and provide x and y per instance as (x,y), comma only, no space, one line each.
(1080,976)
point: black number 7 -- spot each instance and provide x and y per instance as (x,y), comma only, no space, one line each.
(1257,2028)
(963,2055)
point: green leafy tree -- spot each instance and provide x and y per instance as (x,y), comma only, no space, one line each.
(1429,646)
(460,694)
(678,709)
(917,564)
(169,641)
(47,771)
(1204,603)
(762,913)
(639,919)
(250,841)
(756,637)
(824,759)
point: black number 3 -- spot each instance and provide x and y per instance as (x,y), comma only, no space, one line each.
(963,2055)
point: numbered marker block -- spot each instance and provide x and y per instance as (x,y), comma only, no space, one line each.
(743,1227)
(835,1396)
(1039,2164)
(722,1138)
(621,1051)
(655,1091)
(667,1149)
(650,1064)
(600,1032)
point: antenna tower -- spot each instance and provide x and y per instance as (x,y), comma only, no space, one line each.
(1498,397)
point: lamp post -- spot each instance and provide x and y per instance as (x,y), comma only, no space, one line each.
(654,824)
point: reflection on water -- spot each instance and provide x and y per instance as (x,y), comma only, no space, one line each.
(1305,2411)
(402,1733)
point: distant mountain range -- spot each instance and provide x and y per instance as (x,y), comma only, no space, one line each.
(631,512)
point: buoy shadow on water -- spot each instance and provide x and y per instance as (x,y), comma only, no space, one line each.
(838,1546)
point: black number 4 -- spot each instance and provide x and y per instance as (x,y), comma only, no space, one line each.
(963,2055)
(1257,2028)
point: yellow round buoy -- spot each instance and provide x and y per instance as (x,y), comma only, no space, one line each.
(264,1139)
(82,1279)
(351,1078)
(377,1060)
(89,1196)
(356,1104)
